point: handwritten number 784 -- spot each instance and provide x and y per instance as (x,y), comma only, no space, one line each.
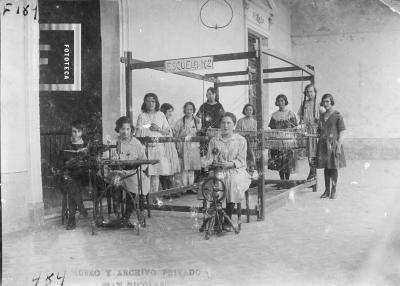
(48,280)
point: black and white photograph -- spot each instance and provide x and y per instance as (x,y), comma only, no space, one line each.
(200,142)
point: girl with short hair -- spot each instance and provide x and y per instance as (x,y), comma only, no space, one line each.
(330,152)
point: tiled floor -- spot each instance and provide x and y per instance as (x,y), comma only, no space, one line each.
(353,240)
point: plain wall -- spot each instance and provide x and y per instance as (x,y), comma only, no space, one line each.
(110,46)
(280,41)
(14,167)
(354,46)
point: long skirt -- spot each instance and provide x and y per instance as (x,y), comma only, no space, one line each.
(131,183)
(283,160)
(328,157)
(168,157)
(191,156)
(312,141)
(172,155)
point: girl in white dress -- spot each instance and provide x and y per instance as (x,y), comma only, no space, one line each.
(151,122)
(168,182)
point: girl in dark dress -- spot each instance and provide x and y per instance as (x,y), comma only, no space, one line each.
(330,153)
(211,112)
(75,177)
(283,161)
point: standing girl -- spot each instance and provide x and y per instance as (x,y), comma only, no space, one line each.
(167,182)
(330,153)
(189,152)
(308,114)
(283,161)
(247,123)
(211,112)
(151,122)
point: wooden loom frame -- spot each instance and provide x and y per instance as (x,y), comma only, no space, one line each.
(133,64)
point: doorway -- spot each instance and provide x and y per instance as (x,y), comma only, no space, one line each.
(70,82)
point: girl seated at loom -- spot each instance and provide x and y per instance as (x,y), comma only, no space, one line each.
(228,154)
(128,148)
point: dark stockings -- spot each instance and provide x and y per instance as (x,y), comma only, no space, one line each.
(229,209)
(283,175)
(334,176)
(330,174)
(166,182)
(327,180)
(313,168)
(117,199)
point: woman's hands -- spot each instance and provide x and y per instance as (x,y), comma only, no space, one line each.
(338,150)
(155,127)
(224,164)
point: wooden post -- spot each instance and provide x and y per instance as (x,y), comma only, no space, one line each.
(127,60)
(216,87)
(260,139)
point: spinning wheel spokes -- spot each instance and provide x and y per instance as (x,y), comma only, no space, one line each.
(213,190)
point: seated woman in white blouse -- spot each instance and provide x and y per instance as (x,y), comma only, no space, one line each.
(228,153)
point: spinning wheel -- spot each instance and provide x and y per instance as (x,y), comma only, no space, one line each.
(214,192)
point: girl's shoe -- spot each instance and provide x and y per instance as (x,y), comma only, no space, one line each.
(325,194)
(71,223)
(333,193)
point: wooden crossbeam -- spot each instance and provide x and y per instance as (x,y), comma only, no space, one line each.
(198,209)
(146,139)
(186,74)
(288,79)
(294,185)
(172,191)
(216,58)
(284,69)
(233,83)
(222,74)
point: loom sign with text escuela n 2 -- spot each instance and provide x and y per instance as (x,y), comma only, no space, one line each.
(189,64)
